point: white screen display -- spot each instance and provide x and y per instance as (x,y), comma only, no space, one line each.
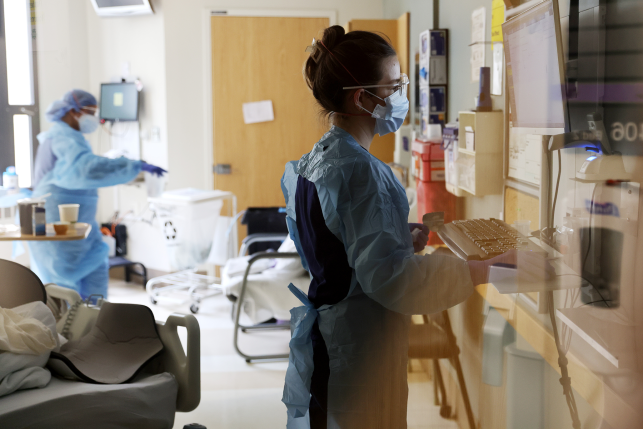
(535,87)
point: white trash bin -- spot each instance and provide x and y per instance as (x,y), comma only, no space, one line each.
(188,219)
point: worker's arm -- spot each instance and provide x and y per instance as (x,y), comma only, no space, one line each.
(374,229)
(78,168)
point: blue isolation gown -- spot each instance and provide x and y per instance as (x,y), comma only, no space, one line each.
(348,216)
(74,179)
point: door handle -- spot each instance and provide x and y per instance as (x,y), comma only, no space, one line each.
(222,169)
(27,111)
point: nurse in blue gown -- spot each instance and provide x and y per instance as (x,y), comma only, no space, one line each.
(66,168)
(348,216)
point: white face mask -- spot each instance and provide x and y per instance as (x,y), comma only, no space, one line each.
(389,118)
(87,124)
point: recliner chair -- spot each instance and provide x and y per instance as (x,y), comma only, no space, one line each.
(146,402)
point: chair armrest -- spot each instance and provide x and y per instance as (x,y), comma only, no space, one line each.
(64,293)
(239,303)
(186,367)
(260,237)
(268,255)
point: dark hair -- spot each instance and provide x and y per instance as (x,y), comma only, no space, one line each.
(356,56)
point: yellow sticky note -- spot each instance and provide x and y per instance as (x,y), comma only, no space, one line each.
(118,99)
(497,19)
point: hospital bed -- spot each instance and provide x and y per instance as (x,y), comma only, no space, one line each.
(169,383)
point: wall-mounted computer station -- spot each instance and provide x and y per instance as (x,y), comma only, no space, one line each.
(575,92)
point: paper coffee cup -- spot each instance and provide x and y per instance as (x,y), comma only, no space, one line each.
(69,212)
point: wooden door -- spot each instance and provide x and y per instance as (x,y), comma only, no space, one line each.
(256,59)
(397,31)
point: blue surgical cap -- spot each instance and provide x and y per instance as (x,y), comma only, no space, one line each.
(74,99)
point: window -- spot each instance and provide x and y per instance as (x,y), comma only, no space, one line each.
(19,122)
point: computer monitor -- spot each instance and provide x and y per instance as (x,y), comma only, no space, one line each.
(119,102)
(536,71)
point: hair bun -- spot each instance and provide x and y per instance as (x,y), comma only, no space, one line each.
(333,36)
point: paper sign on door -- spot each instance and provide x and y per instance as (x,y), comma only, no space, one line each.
(258,111)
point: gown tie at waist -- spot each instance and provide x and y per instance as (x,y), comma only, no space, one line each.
(300,362)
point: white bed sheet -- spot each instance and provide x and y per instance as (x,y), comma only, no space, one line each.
(267,295)
(147,402)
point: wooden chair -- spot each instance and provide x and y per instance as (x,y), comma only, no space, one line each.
(434,340)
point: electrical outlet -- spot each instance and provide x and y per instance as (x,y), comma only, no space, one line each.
(155,134)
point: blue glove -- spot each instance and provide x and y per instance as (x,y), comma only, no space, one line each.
(153,169)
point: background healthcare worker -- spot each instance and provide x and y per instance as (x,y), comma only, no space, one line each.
(348,216)
(66,167)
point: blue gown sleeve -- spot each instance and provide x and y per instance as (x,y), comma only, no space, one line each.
(289,189)
(78,168)
(374,229)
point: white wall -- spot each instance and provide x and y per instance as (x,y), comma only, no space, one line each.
(62,50)
(138,41)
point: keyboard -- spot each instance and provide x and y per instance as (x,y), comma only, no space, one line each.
(480,239)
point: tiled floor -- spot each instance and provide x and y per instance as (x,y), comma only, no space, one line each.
(237,395)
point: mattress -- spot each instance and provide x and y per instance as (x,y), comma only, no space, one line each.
(149,401)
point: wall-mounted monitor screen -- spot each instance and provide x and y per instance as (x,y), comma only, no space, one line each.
(535,70)
(119,102)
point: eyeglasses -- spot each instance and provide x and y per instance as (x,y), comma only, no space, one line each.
(400,87)
(89,110)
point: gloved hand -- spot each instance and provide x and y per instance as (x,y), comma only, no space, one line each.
(153,169)
(420,234)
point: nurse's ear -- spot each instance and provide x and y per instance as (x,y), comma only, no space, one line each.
(359,98)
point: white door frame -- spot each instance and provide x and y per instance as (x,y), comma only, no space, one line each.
(208,150)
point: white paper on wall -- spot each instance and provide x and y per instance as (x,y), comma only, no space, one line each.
(477,40)
(496,74)
(258,111)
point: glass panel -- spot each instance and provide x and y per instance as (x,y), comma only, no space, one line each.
(18,38)
(22,148)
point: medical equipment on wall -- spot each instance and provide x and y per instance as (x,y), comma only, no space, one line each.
(428,170)
(432,82)
(119,101)
(119,114)
(195,234)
